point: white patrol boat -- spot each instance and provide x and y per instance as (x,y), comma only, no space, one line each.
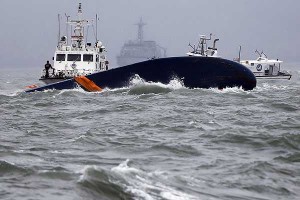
(202,48)
(263,68)
(74,57)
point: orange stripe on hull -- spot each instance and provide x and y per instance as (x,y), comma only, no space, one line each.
(87,84)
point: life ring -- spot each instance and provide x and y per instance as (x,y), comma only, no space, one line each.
(259,67)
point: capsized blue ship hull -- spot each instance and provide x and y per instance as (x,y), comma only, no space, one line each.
(195,72)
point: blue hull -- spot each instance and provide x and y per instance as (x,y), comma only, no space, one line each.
(195,72)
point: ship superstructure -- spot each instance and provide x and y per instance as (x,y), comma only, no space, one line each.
(264,68)
(202,49)
(76,57)
(139,50)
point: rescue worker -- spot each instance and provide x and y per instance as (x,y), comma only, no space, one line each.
(47,67)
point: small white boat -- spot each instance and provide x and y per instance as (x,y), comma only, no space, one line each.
(264,68)
(75,56)
(202,49)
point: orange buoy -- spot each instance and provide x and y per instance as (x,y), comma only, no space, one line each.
(32,86)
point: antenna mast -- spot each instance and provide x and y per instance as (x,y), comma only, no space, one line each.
(96,27)
(240,52)
(58,29)
(67,28)
(140,25)
(78,36)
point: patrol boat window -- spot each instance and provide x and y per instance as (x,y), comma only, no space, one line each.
(88,58)
(74,57)
(60,57)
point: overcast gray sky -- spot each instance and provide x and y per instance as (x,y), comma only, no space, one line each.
(29,28)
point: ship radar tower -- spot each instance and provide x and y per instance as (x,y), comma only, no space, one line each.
(140,25)
(77,37)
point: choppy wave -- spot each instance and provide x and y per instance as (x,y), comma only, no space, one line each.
(270,87)
(285,141)
(8,93)
(58,173)
(7,168)
(138,86)
(236,90)
(181,143)
(125,182)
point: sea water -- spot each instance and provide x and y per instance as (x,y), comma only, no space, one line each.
(149,141)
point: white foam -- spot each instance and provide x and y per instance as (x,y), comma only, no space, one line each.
(84,172)
(56,152)
(11,93)
(19,151)
(176,84)
(10,163)
(76,90)
(176,195)
(138,83)
(123,168)
(268,87)
(173,84)
(139,193)
(145,185)
(236,90)
(140,184)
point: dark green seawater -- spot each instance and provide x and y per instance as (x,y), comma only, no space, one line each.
(149,141)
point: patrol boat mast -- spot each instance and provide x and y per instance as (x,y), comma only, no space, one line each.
(77,38)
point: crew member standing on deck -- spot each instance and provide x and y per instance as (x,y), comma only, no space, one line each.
(47,67)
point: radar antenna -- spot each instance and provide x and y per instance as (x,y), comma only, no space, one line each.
(79,9)
(77,37)
(263,53)
(258,53)
(202,42)
(140,25)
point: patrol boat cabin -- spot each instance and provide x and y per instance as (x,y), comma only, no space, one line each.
(264,68)
(74,57)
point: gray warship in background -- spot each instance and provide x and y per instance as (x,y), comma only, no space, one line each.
(140,50)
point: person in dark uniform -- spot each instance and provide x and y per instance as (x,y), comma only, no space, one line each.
(47,67)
